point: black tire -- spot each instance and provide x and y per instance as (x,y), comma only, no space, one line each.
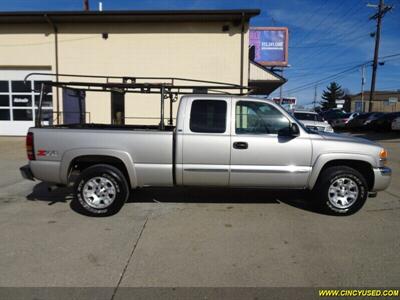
(101,174)
(330,176)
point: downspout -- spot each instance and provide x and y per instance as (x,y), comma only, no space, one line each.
(55,30)
(241,51)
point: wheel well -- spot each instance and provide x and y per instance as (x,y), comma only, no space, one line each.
(363,167)
(81,163)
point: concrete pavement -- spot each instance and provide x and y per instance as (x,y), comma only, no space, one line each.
(193,238)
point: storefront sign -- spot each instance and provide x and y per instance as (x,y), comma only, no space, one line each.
(21,100)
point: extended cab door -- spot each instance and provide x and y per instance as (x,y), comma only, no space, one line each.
(260,155)
(203,154)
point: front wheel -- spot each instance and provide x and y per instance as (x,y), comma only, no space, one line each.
(101,190)
(341,190)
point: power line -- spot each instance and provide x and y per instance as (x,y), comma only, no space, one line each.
(311,16)
(349,35)
(307,85)
(384,58)
(322,45)
(332,33)
(323,20)
(337,75)
(354,24)
(333,67)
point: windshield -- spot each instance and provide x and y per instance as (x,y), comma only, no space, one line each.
(308,116)
(333,114)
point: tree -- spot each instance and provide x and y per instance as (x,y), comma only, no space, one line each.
(332,93)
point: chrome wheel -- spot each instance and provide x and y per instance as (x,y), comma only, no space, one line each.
(343,193)
(99,192)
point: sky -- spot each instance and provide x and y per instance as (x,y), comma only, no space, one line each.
(328,39)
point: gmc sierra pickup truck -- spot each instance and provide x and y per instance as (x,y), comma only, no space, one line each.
(218,140)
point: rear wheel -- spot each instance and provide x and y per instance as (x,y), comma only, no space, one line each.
(341,190)
(101,190)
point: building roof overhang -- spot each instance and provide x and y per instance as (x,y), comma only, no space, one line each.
(263,80)
(115,16)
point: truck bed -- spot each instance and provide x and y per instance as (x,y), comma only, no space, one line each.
(148,149)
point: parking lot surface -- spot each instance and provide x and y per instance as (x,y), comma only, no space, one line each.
(194,237)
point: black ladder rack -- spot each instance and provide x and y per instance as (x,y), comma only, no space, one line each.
(167,87)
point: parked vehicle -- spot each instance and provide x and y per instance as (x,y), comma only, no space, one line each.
(362,121)
(396,124)
(357,121)
(332,114)
(368,124)
(219,140)
(312,120)
(341,122)
(384,122)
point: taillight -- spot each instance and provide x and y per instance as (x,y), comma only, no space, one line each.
(29,146)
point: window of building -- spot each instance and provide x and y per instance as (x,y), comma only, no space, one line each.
(22,115)
(18,101)
(4,114)
(358,106)
(38,85)
(46,102)
(259,118)
(19,86)
(3,86)
(208,116)
(4,100)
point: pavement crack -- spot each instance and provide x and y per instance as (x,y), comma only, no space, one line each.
(392,194)
(129,259)
(383,209)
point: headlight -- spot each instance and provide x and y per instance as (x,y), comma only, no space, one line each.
(329,128)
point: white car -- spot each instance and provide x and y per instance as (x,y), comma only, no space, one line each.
(312,120)
(396,124)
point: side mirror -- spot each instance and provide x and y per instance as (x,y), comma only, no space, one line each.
(294,129)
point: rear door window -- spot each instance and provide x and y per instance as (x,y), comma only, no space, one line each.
(208,116)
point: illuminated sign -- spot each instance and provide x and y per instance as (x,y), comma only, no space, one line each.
(271,45)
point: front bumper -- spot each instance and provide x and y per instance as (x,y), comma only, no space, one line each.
(383,176)
(26,172)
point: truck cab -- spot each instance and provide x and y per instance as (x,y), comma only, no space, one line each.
(240,142)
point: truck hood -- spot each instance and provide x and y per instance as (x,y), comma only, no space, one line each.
(339,137)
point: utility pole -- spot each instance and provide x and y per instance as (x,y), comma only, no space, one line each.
(315,96)
(85,5)
(281,90)
(382,10)
(362,88)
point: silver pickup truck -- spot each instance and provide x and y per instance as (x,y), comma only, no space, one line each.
(226,141)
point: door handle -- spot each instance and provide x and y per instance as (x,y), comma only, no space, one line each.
(240,145)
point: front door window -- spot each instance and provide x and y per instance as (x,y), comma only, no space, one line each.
(259,118)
